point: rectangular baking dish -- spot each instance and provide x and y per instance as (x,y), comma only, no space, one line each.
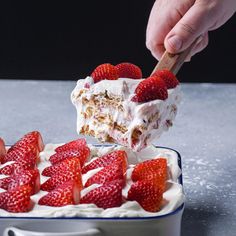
(163,225)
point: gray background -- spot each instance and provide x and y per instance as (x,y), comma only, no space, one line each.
(204,132)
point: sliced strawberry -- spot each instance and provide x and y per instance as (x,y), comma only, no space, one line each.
(154,170)
(27,177)
(33,139)
(150,89)
(7,170)
(2,150)
(82,154)
(20,153)
(62,177)
(75,144)
(67,164)
(17,200)
(17,167)
(129,70)
(106,160)
(105,72)
(4,182)
(65,194)
(109,173)
(168,77)
(106,196)
(147,194)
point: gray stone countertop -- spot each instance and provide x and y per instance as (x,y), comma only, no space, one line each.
(204,133)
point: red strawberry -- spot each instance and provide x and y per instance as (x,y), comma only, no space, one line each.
(65,194)
(17,200)
(155,170)
(150,89)
(75,144)
(4,183)
(67,164)
(147,194)
(33,139)
(168,77)
(18,167)
(105,71)
(27,177)
(82,154)
(62,177)
(20,153)
(2,150)
(106,196)
(107,174)
(129,70)
(106,160)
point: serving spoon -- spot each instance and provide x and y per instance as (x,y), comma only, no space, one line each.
(173,62)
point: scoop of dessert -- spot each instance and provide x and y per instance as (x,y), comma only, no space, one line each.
(126,110)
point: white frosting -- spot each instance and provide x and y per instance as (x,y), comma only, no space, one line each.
(173,196)
(133,115)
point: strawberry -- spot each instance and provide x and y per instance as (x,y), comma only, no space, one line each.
(67,164)
(17,200)
(27,177)
(129,70)
(105,71)
(107,174)
(33,139)
(147,194)
(82,154)
(2,150)
(168,77)
(20,153)
(106,196)
(75,144)
(4,182)
(18,166)
(65,194)
(154,170)
(106,160)
(62,177)
(150,89)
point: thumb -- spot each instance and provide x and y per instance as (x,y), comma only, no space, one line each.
(193,24)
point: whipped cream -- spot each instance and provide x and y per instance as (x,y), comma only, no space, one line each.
(173,196)
(141,122)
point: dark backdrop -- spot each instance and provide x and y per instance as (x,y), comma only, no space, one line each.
(67,39)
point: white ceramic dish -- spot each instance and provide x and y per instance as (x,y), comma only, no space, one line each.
(163,225)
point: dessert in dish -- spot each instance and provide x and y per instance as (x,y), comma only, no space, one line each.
(77,179)
(116,105)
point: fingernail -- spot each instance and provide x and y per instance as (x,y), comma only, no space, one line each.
(175,42)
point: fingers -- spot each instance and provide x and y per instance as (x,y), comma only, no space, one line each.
(193,24)
(163,18)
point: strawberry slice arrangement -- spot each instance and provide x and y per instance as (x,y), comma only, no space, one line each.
(67,193)
(106,196)
(151,88)
(107,159)
(108,71)
(24,178)
(66,171)
(149,183)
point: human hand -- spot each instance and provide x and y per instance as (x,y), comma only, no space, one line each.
(175,24)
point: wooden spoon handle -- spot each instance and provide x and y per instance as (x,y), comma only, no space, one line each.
(173,62)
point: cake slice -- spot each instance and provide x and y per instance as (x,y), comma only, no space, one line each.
(126,111)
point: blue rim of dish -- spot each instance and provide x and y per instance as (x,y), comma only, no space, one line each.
(180,208)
